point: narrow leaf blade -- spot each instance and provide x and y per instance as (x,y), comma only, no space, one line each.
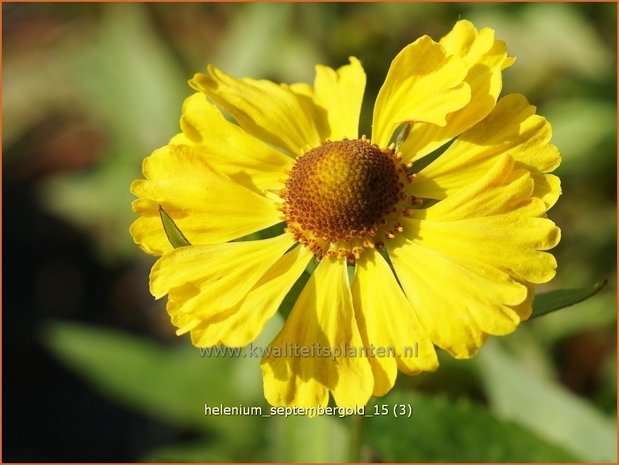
(175,236)
(556,300)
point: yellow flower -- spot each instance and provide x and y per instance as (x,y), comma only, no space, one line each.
(442,256)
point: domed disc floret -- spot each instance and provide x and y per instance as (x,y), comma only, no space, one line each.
(339,197)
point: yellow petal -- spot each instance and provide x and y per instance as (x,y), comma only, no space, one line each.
(512,128)
(423,85)
(182,139)
(512,242)
(388,324)
(242,323)
(484,58)
(231,150)
(547,187)
(475,253)
(475,47)
(147,231)
(463,40)
(223,273)
(494,221)
(307,99)
(263,108)
(341,94)
(525,309)
(495,192)
(207,206)
(184,321)
(322,323)
(458,303)
(302,88)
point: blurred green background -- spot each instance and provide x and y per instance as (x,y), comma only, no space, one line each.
(92,370)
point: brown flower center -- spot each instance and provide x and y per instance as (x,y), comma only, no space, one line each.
(340,195)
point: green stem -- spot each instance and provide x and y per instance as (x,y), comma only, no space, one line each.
(354,454)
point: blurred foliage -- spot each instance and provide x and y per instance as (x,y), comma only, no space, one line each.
(90,89)
(520,394)
(448,431)
(172,382)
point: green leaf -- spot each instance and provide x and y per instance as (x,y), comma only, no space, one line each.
(172,382)
(520,394)
(556,300)
(175,235)
(441,430)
